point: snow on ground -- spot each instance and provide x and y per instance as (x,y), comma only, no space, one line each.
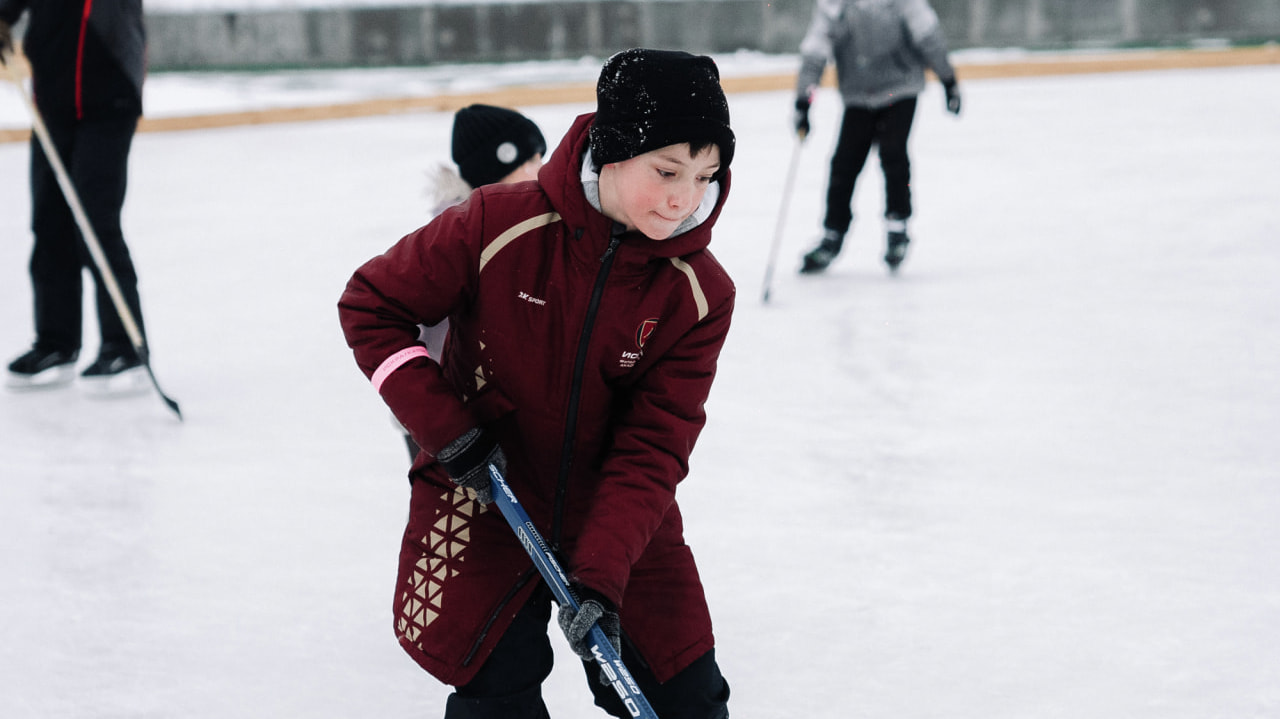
(1033,476)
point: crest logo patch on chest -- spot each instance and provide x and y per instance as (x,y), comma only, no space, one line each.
(628,358)
(645,329)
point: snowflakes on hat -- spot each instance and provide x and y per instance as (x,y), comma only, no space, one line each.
(649,99)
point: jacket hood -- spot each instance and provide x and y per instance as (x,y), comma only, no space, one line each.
(561,180)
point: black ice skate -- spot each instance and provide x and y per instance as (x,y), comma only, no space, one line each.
(41,368)
(896,249)
(817,259)
(117,371)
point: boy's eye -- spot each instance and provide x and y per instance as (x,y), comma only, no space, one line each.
(666,173)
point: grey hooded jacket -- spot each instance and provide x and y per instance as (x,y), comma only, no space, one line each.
(881,49)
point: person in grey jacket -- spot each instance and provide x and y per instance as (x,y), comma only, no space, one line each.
(881,49)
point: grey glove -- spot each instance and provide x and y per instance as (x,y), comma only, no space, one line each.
(592,609)
(953,96)
(467,461)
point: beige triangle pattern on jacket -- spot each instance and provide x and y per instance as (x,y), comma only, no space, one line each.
(447,542)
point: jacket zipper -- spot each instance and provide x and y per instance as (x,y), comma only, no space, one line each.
(579,365)
(484,632)
(575,390)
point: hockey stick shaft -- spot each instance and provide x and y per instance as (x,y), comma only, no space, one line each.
(543,558)
(787,186)
(90,237)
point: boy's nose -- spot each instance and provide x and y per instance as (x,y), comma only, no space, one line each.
(680,197)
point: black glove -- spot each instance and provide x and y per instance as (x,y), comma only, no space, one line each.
(467,461)
(953,96)
(593,609)
(6,41)
(802,115)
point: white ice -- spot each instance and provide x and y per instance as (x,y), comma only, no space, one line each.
(1036,475)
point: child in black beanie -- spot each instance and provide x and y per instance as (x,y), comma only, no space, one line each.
(490,145)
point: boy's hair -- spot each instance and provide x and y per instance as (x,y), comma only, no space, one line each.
(648,99)
(490,142)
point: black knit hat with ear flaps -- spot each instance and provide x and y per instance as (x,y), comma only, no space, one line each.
(648,99)
(490,142)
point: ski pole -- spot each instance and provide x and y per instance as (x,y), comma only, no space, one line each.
(90,238)
(601,648)
(787,186)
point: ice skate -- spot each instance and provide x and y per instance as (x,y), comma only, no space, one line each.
(817,259)
(116,372)
(42,368)
(896,249)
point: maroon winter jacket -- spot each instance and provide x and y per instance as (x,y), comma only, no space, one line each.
(590,357)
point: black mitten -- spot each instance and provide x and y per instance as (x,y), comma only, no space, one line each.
(467,461)
(953,96)
(6,41)
(801,118)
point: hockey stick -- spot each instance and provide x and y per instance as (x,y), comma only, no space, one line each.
(531,539)
(86,230)
(788,184)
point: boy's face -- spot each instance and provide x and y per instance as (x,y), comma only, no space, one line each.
(656,191)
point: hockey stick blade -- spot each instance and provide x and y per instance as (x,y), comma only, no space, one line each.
(531,539)
(168,401)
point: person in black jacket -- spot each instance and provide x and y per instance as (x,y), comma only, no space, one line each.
(88,62)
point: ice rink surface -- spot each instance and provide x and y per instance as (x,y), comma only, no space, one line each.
(1035,475)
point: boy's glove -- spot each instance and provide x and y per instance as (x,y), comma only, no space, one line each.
(802,115)
(467,461)
(953,96)
(6,41)
(593,608)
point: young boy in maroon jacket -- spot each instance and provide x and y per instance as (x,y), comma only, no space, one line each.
(587,316)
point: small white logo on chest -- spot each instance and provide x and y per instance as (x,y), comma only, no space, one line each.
(531,299)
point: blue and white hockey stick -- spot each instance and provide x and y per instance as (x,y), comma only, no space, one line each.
(531,539)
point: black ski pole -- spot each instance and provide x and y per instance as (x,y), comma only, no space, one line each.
(788,184)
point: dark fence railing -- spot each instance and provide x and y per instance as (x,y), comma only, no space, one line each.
(417,34)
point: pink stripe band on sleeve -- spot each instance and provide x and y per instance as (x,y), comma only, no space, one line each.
(392,363)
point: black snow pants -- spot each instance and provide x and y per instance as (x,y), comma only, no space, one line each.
(889,127)
(509,685)
(95,154)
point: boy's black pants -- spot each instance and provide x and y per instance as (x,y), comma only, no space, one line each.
(96,156)
(889,127)
(509,685)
